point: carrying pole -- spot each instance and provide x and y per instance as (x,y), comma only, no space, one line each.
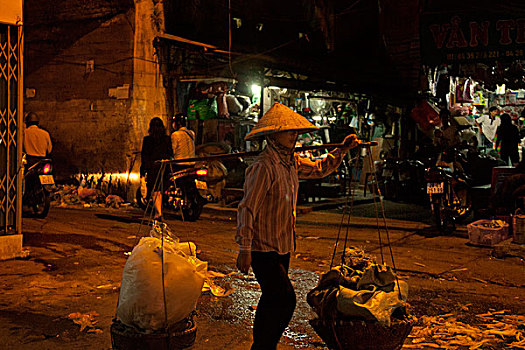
(225,156)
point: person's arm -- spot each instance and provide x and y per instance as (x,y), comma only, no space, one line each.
(479,121)
(49,146)
(256,184)
(308,169)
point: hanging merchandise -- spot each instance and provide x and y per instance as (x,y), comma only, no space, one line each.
(510,98)
(234,106)
(464,89)
(442,83)
(479,99)
(202,109)
(460,89)
(370,119)
(452,92)
(219,89)
(354,123)
(468,94)
(425,115)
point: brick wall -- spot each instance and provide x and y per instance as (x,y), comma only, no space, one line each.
(94,81)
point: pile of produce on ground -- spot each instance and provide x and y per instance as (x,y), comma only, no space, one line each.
(496,330)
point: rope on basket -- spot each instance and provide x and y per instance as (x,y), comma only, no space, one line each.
(158,185)
(349,210)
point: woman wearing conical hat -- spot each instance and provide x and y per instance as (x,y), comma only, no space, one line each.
(266,215)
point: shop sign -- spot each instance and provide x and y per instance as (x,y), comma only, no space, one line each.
(11,12)
(470,38)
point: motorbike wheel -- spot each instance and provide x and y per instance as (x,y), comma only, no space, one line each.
(192,210)
(439,215)
(141,201)
(42,202)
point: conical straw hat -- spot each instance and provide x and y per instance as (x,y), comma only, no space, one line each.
(280,118)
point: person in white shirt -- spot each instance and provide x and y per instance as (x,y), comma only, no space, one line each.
(183,144)
(182,141)
(488,124)
(37,142)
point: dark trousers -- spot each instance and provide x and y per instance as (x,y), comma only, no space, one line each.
(486,144)
(277,303)
(513,154)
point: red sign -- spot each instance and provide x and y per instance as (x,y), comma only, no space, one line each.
(448,39)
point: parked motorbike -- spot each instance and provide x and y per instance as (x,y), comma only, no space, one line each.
(401,180)
(38,177)
(449,191)
(182,193)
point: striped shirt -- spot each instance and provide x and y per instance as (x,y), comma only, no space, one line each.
(267,212)
(183,143)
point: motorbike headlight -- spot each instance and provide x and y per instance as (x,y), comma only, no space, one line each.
(47,168)
(202,172)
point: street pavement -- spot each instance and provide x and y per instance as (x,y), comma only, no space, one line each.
(76,256)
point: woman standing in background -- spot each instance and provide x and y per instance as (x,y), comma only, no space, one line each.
(507,136)
(155,146)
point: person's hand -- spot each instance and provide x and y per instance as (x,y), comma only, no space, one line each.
(350,141)
(143,187)
(244,260)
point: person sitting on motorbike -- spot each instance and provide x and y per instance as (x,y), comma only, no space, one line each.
(446,141)
(450,129)
(182,141)
(37,142)
(183,144)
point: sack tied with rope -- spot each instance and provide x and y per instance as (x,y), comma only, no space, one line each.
(161,282)
(361,289)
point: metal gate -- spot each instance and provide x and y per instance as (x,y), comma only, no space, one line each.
(10,128)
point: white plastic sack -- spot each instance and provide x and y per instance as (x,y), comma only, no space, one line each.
(141,299)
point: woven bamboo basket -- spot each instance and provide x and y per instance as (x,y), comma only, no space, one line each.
(361,335)
(179,336)
(519,228)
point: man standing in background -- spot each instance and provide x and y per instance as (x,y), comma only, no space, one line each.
(488,124)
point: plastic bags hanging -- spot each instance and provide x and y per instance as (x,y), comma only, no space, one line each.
(142,298)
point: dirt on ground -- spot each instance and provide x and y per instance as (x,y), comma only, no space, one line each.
(76,257)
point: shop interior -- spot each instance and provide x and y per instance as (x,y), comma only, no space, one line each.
(469,90)
(222,111)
